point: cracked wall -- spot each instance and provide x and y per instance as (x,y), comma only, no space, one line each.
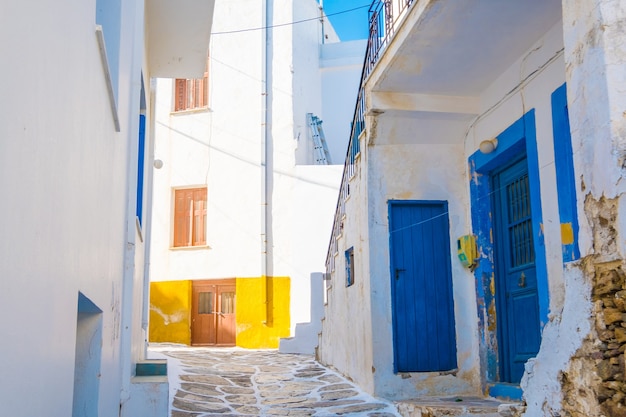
(580,370)
(594,383)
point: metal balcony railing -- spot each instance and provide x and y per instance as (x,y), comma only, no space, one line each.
(384,17)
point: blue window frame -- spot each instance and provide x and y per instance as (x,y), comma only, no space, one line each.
(565,182)
(349,267)
(140,166)
(515,141)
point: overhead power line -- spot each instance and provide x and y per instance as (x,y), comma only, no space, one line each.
(289,23)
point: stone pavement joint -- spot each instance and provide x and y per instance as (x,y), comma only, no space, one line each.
(224,382)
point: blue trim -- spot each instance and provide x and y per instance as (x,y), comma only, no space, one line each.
(349,254)
(564,165)
(518,138)
(506,391)
(140,166)
(151,367)
(541,262)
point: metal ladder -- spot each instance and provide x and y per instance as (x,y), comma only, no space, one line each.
(320,151)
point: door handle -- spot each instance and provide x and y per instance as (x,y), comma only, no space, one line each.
(522,280)
(398,270)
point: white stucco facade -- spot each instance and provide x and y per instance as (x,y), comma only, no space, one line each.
(269,209)
(73,318)
(432,98)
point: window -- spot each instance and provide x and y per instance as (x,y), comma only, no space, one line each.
(141,150)
(350,267)
(205,303)
(228,302)
(190,94)
(190,217)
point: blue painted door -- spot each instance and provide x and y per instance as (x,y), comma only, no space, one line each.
(516,279)
(421,286)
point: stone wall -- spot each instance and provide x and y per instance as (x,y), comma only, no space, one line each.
(595,383)
(609,296)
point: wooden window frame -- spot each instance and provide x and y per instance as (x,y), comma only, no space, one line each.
(190,211)
(192,93)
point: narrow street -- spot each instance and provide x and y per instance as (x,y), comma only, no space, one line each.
(208,382)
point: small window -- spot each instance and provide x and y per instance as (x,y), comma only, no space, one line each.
(205,303)
(350,267)
(191,94)
(190,217)
(228,303)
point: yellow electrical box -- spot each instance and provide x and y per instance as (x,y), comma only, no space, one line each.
(466,246)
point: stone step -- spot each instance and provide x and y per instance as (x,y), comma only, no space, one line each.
(151,367)
(458,407)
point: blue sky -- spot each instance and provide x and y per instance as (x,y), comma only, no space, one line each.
(351,25)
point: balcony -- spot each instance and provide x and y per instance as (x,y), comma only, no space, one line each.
(384,17)
(178,37)
(431,60)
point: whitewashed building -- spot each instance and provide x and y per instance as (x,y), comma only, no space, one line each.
(75,170)
(479,238)
(239,145)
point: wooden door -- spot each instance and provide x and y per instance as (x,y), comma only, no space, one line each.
(213,313)
(517,299)
(226,315)
(421,285)
(203,317)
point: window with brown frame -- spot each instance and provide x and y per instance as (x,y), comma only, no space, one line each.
(190,217)
(190,93)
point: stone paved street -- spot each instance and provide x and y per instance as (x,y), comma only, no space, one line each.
(208,382)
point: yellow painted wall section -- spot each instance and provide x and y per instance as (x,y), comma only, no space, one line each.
(252,333)
(170,309)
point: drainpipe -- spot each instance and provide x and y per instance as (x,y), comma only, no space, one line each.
(264,168)
(322,21)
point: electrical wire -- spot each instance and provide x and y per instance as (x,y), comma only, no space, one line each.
(290,23)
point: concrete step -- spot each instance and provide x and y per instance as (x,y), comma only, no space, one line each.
(458,407)
(304,341)
(151,367)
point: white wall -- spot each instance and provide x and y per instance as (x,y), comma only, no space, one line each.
(341,65)
(347,331)
(418,172)
(218,148)
(221,148)
(424,156)
(545,62)
(64,172)
(593,66)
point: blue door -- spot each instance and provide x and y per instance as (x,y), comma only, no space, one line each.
(421,286)
(516,279)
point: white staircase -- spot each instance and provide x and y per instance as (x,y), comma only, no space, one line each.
(305,339)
